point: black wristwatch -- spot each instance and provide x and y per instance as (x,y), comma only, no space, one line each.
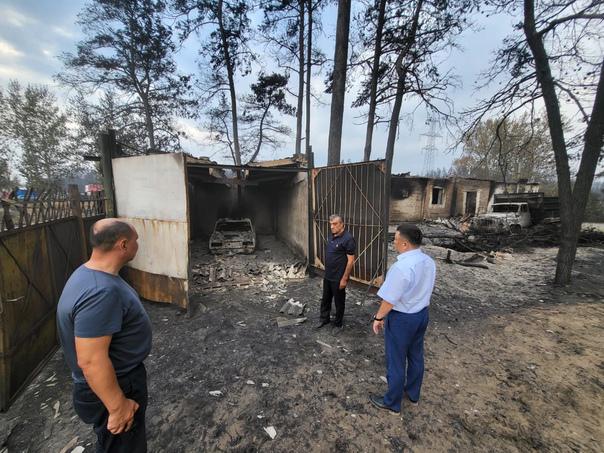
(375,318)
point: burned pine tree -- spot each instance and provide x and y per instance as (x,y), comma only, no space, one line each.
(283,29)
(287,30)
(128,48)
(371,32)
(226,47)
(553,62)
(268,94)
(338,82)
(415,32)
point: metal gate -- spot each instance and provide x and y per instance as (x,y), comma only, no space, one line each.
(359,193)
(35,263)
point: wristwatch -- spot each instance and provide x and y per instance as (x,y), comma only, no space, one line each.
(375,318)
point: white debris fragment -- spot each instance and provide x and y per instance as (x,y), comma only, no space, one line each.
(383,378)
(215,393)
(271,431)
(250,382)
(56,407)
(69,445)
(319,371)
(324,344)
(77,449)
(260,416)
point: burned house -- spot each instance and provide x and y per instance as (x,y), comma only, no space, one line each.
(416,198)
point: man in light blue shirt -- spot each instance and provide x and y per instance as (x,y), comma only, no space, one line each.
(403,315)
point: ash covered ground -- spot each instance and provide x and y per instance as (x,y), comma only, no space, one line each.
(512,364)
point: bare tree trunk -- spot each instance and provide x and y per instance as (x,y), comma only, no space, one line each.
(308,77)
(572,202)
(377,53)
(300,78)
(261,137)
(149,124)
(400,87)
(231,79)
(338,83)
(393,125)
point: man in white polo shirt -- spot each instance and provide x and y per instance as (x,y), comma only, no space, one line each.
(403,315)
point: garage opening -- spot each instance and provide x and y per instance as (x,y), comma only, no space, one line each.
(247,224)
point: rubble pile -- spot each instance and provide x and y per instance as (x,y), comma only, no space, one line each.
(456,234)
(232,272)
(269,269)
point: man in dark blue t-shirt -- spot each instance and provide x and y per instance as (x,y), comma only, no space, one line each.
(339,261)
(106,334)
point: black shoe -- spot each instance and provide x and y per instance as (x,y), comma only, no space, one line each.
(378,402)
(321,324)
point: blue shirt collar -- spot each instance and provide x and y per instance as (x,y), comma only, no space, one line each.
(409,253)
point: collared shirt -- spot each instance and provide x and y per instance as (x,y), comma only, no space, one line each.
(409,282)
(338,247)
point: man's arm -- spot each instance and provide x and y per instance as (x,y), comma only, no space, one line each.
(93,359)
(347,271)
(378,323)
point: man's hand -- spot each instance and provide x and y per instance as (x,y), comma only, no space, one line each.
(122,418)
(343,283)
(377,325)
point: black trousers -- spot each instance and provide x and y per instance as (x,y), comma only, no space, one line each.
(331,290)
(92,411)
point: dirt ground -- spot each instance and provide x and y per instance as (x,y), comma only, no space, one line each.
(512,364)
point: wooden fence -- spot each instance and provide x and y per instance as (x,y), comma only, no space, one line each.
(42,241)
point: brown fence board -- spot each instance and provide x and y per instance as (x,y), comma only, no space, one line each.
(41,244)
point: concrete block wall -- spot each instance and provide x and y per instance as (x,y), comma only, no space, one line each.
(292,214)
(482,189)
(435,211)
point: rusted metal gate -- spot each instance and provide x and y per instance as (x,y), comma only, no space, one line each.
(35,263)
(359,193)
(41,244)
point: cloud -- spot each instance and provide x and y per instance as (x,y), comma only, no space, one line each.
(63,32)
(23,75)
(7,50)
(15,18)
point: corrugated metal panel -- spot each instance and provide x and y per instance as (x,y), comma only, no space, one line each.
(358,193)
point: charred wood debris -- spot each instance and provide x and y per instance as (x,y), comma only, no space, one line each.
(484,248)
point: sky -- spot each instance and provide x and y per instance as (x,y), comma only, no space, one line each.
(33,33)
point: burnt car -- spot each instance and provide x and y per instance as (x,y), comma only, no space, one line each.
(233,236)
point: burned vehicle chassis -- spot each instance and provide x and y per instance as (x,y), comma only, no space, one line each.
(232,236)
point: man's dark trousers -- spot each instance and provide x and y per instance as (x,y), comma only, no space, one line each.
(92,411)
(331,290)
(404,342)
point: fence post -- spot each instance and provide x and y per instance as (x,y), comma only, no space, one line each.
(107,150)
(76,210)
(8,220)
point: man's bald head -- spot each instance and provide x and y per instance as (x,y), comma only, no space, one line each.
(106,232)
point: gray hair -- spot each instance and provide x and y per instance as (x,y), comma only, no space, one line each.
(336,216)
